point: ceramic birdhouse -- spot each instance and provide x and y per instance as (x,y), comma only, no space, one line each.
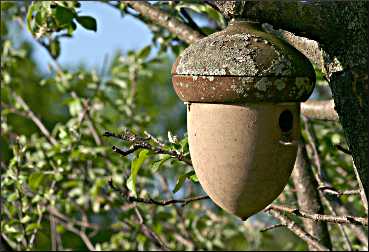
(243,89)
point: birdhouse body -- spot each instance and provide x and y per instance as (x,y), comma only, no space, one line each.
(239,152)
(243,88)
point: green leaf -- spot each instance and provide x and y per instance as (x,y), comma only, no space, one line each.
(157,164)
(64,15)
(184,145)
(54,48)
(25,219)
(35,180)
(194,178)
(30,11)
(71,28)
(87,22)
(39,18)
(144,52)
(32,226)
(135,167)
(13,196)
(181,179)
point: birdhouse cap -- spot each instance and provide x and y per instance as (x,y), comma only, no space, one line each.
(242,63)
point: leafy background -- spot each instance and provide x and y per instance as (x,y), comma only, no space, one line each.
(49,52)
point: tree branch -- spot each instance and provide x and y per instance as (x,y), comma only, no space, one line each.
(148,232)
(80,233)
(322,110)
(143,143)
(34,118)
(308,197)
(310,48)
(321,217)
(297,230)
(183,31)
(330,190)
(272,227)
(344,150)
(55,212)
(322,21)
(125,193)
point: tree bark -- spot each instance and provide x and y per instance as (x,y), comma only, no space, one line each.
(322,110)
(308,198)
(183,31)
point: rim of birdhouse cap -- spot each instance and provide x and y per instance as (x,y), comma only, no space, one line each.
(241,64)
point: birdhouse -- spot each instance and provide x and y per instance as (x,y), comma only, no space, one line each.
(243,89)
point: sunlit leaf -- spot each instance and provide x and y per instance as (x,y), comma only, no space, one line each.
(55,48)
(35,180)
(135,167)
(181,179)
(157,164)
(32,226)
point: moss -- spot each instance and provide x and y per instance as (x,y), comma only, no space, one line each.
(242,51)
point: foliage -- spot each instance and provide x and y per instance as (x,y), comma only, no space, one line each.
(55,183)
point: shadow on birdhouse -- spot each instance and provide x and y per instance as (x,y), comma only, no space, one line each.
(243,89)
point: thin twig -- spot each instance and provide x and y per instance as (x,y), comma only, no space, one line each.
(86,112)
(156,140)
(343,149)
(308,197)
(330,190)
(55,212)
(81,234)
(143,143)
(188,238)
(148,232)
(297,230)
(311,143)
(321,217)
(35,119)
(54,243)
(272,227)
(318,173)
(329,203)
(33,236)
(125,193)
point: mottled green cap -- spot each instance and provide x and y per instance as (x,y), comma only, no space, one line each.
(242,63)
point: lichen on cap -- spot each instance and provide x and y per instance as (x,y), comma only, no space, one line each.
(242,64)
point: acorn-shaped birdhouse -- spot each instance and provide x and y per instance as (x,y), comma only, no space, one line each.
(243,89)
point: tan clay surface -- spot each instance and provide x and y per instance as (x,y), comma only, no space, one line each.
(240,155)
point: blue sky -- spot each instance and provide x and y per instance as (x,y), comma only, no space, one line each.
(90,48)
